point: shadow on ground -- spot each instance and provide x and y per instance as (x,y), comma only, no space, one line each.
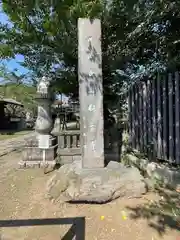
(160,214)
(77,230)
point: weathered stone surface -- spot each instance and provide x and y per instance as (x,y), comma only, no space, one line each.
(157,172)
(90,92)
(72,183)
(36,154)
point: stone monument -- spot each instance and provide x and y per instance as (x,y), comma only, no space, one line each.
(90,93)
(86,179)
(41,151)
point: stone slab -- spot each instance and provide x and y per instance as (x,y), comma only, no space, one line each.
(73,183)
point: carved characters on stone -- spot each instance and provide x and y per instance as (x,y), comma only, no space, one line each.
(93,146)
(91,73)
(84,122)
(91,107)
(92,128)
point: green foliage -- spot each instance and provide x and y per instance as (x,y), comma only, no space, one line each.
(155,41)
(134,33)
(46,34)
(13,86)
(20,92)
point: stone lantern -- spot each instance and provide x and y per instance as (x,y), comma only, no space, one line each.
(44,97)
(41,151)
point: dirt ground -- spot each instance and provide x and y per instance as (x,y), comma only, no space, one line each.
(22,196)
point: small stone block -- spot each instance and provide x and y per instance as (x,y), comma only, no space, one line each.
(32,164)
(22,165)
(44,141)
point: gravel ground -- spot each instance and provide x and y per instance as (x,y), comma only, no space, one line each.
(22,196)
(9,145)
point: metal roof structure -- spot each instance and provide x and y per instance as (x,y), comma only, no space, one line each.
(11,101)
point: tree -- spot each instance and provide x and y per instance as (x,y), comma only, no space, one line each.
(155,41)
(16,87)
(139,37)
(46,34)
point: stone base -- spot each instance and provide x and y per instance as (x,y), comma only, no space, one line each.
(33,156)
(72,183)
(38,154)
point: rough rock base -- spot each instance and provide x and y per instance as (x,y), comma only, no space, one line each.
(73,184)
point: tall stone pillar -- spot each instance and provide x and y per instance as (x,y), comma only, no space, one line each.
(90,93)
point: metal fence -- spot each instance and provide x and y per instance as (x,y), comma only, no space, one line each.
(154,117)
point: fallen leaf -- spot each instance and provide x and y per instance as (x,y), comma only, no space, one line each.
(124,216)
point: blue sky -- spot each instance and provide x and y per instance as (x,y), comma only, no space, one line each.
(15,64)
(12,64)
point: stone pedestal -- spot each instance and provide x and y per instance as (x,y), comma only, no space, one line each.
(41,151)
(34,155)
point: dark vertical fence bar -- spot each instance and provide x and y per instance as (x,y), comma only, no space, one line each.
(137,116)
(133,118)
(177,117)
(149,135)
(141,116)
(171,130)
(130,115)
(154,117)
(154,130)
(165,118)
(159,118)
(145,115)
